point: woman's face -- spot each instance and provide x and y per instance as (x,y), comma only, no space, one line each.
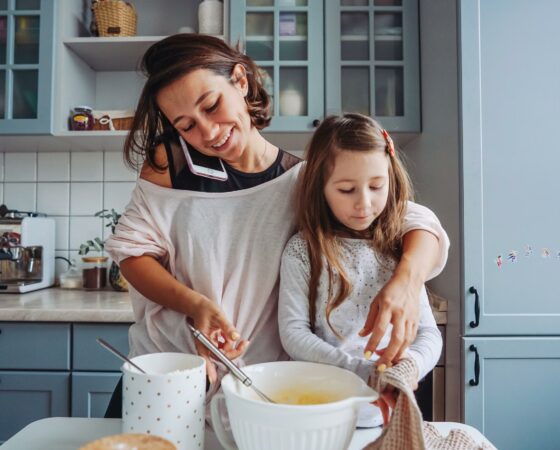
(209,112)
(358,187)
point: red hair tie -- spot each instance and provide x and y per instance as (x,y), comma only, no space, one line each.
(390,144)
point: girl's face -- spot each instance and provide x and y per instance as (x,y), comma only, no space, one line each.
(209,112)
(357,188)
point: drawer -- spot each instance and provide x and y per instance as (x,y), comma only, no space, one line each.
(441,361)
(44,346)
(87,354)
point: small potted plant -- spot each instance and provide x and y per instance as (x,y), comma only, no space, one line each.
(95,272)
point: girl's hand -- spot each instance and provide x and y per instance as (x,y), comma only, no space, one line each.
(388,398)
(211,321)
(397,303)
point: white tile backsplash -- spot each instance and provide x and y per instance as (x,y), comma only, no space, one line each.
(20,167)
(86,166)
(116,170)
(117,195)
(20,196)
(86,199)
(53,166)
(53,198)
(62,240)
(84,229)
(71,187)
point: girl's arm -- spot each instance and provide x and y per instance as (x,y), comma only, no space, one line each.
(293,320)
(425,247)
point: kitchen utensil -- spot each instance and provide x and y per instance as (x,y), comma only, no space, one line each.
(329,424)
(117,353)
(232,367)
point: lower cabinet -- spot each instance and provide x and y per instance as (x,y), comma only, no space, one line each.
(56,370)
(91,393)
(512,390)
(29,396)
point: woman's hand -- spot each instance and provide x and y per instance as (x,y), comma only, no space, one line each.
(211,321)
(397,303)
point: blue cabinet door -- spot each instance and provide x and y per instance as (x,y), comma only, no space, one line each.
(29,396)
(88,355)
(372,63)
(286,41)
(91,393)
(26,66)
(512,392)
(510,96)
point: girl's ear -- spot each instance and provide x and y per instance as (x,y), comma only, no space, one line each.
(239,79)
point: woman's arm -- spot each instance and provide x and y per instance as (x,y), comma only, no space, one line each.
(425,247)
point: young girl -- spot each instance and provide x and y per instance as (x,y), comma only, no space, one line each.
(353,195)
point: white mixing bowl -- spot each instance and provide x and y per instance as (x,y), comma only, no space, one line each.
(257,425)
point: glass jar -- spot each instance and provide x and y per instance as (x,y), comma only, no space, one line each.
(72,278)
(81,119)
(94,272)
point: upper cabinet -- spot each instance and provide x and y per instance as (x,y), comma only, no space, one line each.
(26,66)
(370,64)
(285,38)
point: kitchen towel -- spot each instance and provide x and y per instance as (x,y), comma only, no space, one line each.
(406,429)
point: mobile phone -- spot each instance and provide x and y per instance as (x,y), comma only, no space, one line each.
(203,165)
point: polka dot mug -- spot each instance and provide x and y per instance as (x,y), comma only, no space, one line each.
(168,400)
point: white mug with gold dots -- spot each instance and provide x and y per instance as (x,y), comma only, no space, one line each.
(168,400)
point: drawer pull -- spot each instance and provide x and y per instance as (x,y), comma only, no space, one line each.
(476,380)
(474,323)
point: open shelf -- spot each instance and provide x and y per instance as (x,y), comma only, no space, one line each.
(111,53)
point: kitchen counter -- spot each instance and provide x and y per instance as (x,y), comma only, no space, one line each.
(66,305)
(74,305)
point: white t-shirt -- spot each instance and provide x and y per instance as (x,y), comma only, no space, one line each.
(227,246)
(367,272)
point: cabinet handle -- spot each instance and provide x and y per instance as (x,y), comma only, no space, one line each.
(474,323)
(316,123)
(474,382)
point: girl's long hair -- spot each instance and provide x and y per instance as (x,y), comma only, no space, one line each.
(354,133)
(167,61)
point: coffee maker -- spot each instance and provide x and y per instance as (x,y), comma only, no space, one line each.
(26,251)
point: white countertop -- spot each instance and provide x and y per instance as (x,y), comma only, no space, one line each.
(66,305)
(69,433)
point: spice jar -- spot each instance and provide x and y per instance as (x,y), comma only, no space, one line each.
(94,272)
(81,119)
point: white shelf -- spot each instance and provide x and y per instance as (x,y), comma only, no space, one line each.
(105,54)
(268,38)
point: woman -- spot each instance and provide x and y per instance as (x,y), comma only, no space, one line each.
(205,250)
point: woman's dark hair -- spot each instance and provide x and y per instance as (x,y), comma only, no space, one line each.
(170,59)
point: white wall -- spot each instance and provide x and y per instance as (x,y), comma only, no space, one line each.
(70,187)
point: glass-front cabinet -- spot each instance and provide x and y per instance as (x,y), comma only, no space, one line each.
(26,53)
(285,38)
(372,63)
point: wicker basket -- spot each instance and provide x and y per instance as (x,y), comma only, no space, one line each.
(112,120)
(114,18)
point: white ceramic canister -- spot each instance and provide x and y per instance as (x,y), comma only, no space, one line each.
(211,17)
(168,400)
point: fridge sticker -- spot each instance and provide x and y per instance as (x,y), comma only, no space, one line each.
(499,261)
(545,252)
(512,256)
(528,251)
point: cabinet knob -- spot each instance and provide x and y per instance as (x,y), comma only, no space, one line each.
(316,123)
